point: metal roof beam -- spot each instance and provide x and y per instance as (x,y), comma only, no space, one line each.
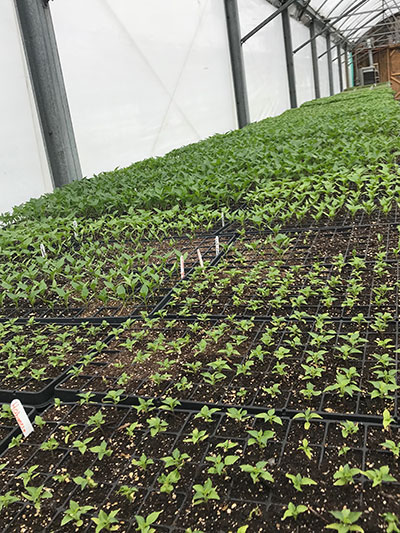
(343,15)
(267,20)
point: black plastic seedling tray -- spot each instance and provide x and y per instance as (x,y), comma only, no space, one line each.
(119,312)
(319,244)
(250,390)
(247,290)
(342,220)
(238,494)
(37,391)
(9,428)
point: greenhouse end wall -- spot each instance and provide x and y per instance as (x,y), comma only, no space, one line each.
(143,78)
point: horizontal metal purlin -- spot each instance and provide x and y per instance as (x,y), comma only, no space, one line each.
(267,20)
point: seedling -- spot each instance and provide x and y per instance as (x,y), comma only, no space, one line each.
(308,415)
(293,511)
(379,475)
(143,462)
(167,481)
(86,481)
(347,521)
(36,494)
(176,460)
(220,463)
(260,437)
(74,513)
(392,447)
(258,472)
(392,522)
(345,475)
(144,524)
(305,447)
(127,492)
(299,481)
(109,522)
(204,493)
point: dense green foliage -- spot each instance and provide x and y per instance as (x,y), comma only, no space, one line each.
(316,150)
(332,158)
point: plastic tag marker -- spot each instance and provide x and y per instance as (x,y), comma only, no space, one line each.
(217,245)
(21,417)
(200,258)
(182,267)
(43,250)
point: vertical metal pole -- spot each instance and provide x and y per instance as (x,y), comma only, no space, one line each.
(237,65)
(339,60)
(287,35)
(346,64)
(314,55)
(329,56)
(48,85)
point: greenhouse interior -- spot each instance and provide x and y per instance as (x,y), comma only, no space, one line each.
(199,275)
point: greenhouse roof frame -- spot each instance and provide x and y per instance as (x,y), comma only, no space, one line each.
(354,18)
(354,25)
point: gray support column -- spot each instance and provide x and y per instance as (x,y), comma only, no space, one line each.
(236,53)
(48,85)
(314,55)
(287,36)
(339,60)
(329,56)
(346,64)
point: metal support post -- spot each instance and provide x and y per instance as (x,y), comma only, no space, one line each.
(237,65)
(329,56)
(287,35)
(314,55)
(339,57)
(346,64)
(48,85)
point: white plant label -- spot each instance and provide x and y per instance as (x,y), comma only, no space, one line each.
(21,417)
(222,219)
(200,258)
(217,245)
(75,226)
(182,267)
(43,250)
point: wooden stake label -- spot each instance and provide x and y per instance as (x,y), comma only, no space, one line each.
(200,258)
(21,417)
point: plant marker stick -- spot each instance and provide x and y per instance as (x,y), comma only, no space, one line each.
(223,219)
(75,226)
(217,245)
(182,267)
(43,250)
(200,258)
(21,417)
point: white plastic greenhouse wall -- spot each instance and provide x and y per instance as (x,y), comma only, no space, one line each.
(143,78)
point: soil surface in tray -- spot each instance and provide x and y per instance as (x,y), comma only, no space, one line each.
(160,461)
(330,366)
